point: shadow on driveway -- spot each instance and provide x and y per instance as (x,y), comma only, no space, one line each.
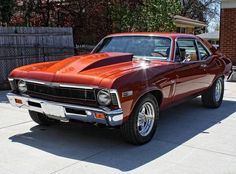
(105,146)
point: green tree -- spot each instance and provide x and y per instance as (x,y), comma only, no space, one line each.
(158,14)
(125,19)
(6,10)
(150,15)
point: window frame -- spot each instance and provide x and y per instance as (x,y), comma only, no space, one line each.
(195,46)
(196,39)
(168,59)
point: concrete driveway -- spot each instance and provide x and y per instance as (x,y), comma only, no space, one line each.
(189,139)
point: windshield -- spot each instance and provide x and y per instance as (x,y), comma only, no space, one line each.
(150,47)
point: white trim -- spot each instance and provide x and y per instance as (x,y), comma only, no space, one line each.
(183,19)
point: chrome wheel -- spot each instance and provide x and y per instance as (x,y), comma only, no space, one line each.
(213,97)
(142,123)
(218,90)
(146,118)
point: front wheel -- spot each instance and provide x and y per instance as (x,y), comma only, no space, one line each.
(214,96)
(141,125)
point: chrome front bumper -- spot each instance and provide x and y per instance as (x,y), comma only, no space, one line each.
(66,112)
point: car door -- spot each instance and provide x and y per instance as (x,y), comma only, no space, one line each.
(208,63)
(189,69)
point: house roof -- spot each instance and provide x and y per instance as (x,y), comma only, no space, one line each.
(187,21)
(210,36)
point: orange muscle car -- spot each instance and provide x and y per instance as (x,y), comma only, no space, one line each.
(125,82)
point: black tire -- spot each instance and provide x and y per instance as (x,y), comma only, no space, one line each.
(42,119)
(130,130)
(210,99)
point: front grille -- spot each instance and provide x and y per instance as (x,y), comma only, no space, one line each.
(60,94)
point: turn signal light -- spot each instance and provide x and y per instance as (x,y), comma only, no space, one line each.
(99,115)
(18,101)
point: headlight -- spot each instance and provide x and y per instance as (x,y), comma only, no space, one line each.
(104,97)
(22,86)
(13,84)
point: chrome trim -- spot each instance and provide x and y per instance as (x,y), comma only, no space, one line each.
(56,84)
(146,119)
(113,117)
(67,86)
(75,86)
(150,35)
(114,91)
(10,79)
(218,90)
(195,39)
(34,81)
(184,38)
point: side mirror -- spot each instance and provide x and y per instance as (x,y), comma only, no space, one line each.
(215,48)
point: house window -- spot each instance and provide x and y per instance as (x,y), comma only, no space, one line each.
(181,30)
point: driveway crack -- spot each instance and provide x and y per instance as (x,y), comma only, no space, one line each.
(5,127)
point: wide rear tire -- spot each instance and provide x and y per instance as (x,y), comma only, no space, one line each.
(42,119)
(214,96)
(142,123)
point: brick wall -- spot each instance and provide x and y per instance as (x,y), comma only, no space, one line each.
(228,33)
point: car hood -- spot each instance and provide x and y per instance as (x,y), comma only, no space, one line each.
(86,70)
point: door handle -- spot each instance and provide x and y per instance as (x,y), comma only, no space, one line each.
(203,65)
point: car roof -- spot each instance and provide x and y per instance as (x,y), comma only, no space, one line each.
(163,34)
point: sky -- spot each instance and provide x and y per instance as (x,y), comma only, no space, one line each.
(213,25)
(214,22)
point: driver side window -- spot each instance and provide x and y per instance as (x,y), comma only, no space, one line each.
(186,50)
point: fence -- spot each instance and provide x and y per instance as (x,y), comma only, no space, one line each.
(22,45)
(84,49)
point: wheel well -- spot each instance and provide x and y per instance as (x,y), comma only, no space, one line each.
(158,95)
(222,76)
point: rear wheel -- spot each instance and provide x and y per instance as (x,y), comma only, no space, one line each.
(214,96)
(142,123)
(42,119)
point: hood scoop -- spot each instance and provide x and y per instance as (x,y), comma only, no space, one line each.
(105,59)
(91,61)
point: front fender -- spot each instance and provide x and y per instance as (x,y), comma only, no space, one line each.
(128,103)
